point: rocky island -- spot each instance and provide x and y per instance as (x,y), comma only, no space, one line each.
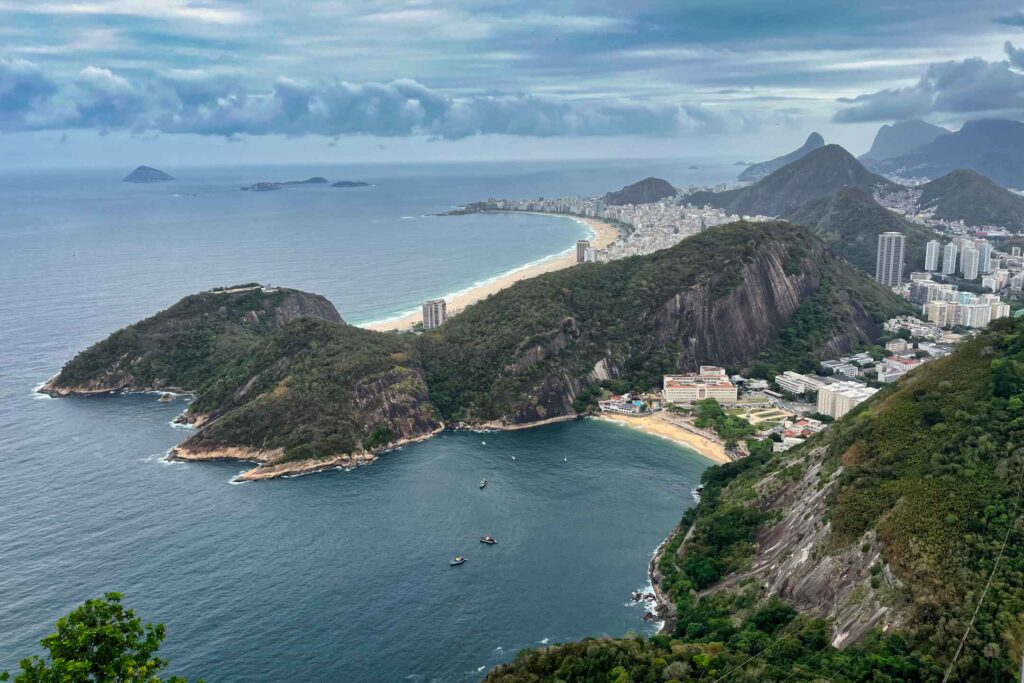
(147,174)
(277,185)
(281,380)
(350,183)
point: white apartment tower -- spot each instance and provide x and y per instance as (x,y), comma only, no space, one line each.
(889,265)
(949,259)
(984,248)
(970,262)
(435,312)
(931,255)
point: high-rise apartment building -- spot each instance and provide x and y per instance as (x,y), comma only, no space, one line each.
(949,253)
(932,252)
(970,263)
(889,263)
(435,312)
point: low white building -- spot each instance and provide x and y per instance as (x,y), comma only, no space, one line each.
(840,398)
(795,383)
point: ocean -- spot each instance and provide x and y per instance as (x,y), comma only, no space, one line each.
(334,576)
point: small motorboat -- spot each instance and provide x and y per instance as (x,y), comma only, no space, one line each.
(459,559)
(483,443)
(513,457)
(489,540)
(483,483)
(565,459)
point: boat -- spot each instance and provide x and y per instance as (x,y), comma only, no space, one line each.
(489,540)
(483,443)
(459,559)
(483,483)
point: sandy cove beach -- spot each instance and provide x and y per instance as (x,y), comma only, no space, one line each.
(662,425)
(604,235)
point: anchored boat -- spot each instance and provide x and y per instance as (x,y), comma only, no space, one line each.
(459,559)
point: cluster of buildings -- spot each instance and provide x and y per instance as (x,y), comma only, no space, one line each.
(648,227)
(906,201)
(710,382)
(945,306)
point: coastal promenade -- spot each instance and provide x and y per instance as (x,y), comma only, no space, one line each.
(604,235)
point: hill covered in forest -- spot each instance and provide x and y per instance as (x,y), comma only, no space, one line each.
(972,198)
(817,175)
(887,548)
(281,380)
(851,221)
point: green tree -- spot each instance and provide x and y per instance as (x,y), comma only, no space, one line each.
(99,641)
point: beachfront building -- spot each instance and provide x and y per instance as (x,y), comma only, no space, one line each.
(435,312)
(889,261)
(582,247)
(840,398)
(710,382)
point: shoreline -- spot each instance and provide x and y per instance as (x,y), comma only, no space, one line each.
(603,234)
(656,425)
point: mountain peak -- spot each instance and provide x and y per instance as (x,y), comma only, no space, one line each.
(819,173)
(900,138)
(757,171)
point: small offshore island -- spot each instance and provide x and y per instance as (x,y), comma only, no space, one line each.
(281,380)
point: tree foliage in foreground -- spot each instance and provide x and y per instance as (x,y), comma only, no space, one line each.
(99,641)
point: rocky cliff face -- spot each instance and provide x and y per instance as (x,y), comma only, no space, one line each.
(702,321)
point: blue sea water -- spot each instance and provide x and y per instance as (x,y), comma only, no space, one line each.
(334,576)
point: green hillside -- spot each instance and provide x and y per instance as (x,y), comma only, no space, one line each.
(851,221)
(918,521)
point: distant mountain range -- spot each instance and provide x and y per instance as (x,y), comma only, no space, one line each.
(850,222)
(992,147)
(147,174)
(757,171)
(646,191)
(971,197)
(901,138)
(817,175)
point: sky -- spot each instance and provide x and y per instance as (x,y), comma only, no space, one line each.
(224,82)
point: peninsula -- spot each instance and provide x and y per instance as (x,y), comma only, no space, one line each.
(281,380)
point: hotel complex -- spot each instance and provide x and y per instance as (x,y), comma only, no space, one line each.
(710,382)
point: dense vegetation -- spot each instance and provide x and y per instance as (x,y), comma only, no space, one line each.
(810,332)
(279,371)
(850,223)
(974,199)
(100,642)
(932,467)
(514,354)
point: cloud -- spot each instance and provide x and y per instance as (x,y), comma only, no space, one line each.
(1012,19)
(222,105)
(969,86)
(184,10)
